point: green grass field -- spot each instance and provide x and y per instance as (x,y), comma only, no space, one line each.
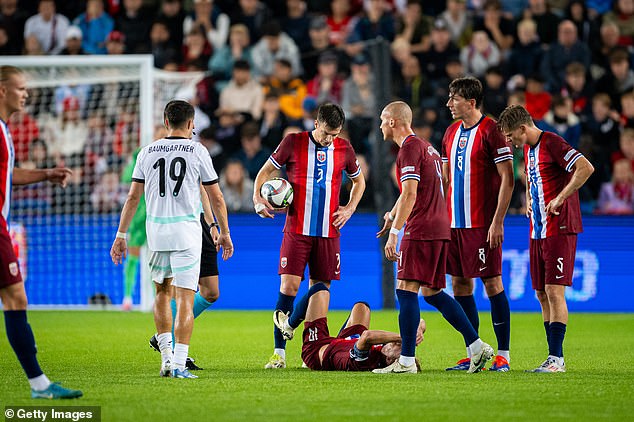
(106,355)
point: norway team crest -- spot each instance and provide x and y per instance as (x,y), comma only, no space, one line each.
(321,156)
(462,142)
(531,161)
(283,262)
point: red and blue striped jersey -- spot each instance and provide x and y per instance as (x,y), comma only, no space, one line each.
(315,172)
(549,166)
(472,155)
(7,159)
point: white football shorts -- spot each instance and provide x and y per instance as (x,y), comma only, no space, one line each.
(183,266)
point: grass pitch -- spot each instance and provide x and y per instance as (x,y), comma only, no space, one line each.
(106,355)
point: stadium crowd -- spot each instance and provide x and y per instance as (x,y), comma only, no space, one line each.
(269,64)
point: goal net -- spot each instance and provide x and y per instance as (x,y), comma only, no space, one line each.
(89,114)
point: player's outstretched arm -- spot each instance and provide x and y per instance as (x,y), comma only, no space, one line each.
(343,214)
(219,208)
(119,248)
(261,205)
(371,337)
(582,170)
(57,175)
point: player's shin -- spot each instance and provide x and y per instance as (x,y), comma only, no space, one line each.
(408,319)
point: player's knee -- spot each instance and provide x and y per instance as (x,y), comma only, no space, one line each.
(361,306)
(493,286)
(462,288)
(541,295)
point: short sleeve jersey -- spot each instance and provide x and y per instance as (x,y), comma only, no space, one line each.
(337,357)
(172,170)
(315,172)
(472,155)
(418,160)
(549,166)
(7,160)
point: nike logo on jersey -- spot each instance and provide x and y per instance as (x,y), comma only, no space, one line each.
(483,268)
(559,276)
(337,272)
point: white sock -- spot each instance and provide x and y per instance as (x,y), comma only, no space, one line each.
(180,355)
(280,352)
(505,354)
(39,383)
(165,346)
(407,360)
(476,346)
(468,352)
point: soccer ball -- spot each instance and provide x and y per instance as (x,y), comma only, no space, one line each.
(278,192)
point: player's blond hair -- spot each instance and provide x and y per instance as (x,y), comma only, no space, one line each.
(513,117)
(399,110)
(6,71)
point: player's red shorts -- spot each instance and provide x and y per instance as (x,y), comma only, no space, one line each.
(322,254)
(469,254)
(423,261)
(553,260)
(9,268)
(316,336)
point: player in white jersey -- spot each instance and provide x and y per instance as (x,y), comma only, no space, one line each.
(169,172)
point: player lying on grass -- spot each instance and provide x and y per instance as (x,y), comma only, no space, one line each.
(356,348)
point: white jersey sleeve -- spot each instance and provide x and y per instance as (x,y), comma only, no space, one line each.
(208,175)
(138,174)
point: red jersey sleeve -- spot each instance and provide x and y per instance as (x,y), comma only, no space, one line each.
(444,154)
(562,152)
(283,152)
(499,148)
(408,163)
(352,164)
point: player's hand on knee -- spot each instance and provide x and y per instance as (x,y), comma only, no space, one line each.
(387,223)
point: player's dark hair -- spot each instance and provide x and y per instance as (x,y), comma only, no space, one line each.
(513,117)
(177,113)
(469,88)
(332,115)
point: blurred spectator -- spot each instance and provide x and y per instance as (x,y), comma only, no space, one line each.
(340,22)
(626,147)
(38,156)
(79,92)
(587,29)
(228,131)
(75,197)
(32,46)
(479,55)
(173,15)
(127,131)
(413,87)
(95,25)
(309,114)
(414,27)
(561,120)
(498,28)
(236,187)
(135,22)
(252,154)
(377,21)
(207,138)
(526,54)
(273,122)
(495,97)
(273,46)
(319,43)
(48,27)
(623,16)
(296,23)
(546,21)
(196,48)
(109,194)
(627,110)
(24,131)
(367,200)
(73,45)
(578,89)
(518,198)
(213,22)
(12,20)
(290,91)
(326,85)
(115,43)
(538,100)
(223,59)
(5,47)
(459,20)
(620,77)
(359,102)
(440,51)
(617,196)
(604,44)
(242,94)
(67,134)
(566,50)
(254,14)
(161,48)
(100,137)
